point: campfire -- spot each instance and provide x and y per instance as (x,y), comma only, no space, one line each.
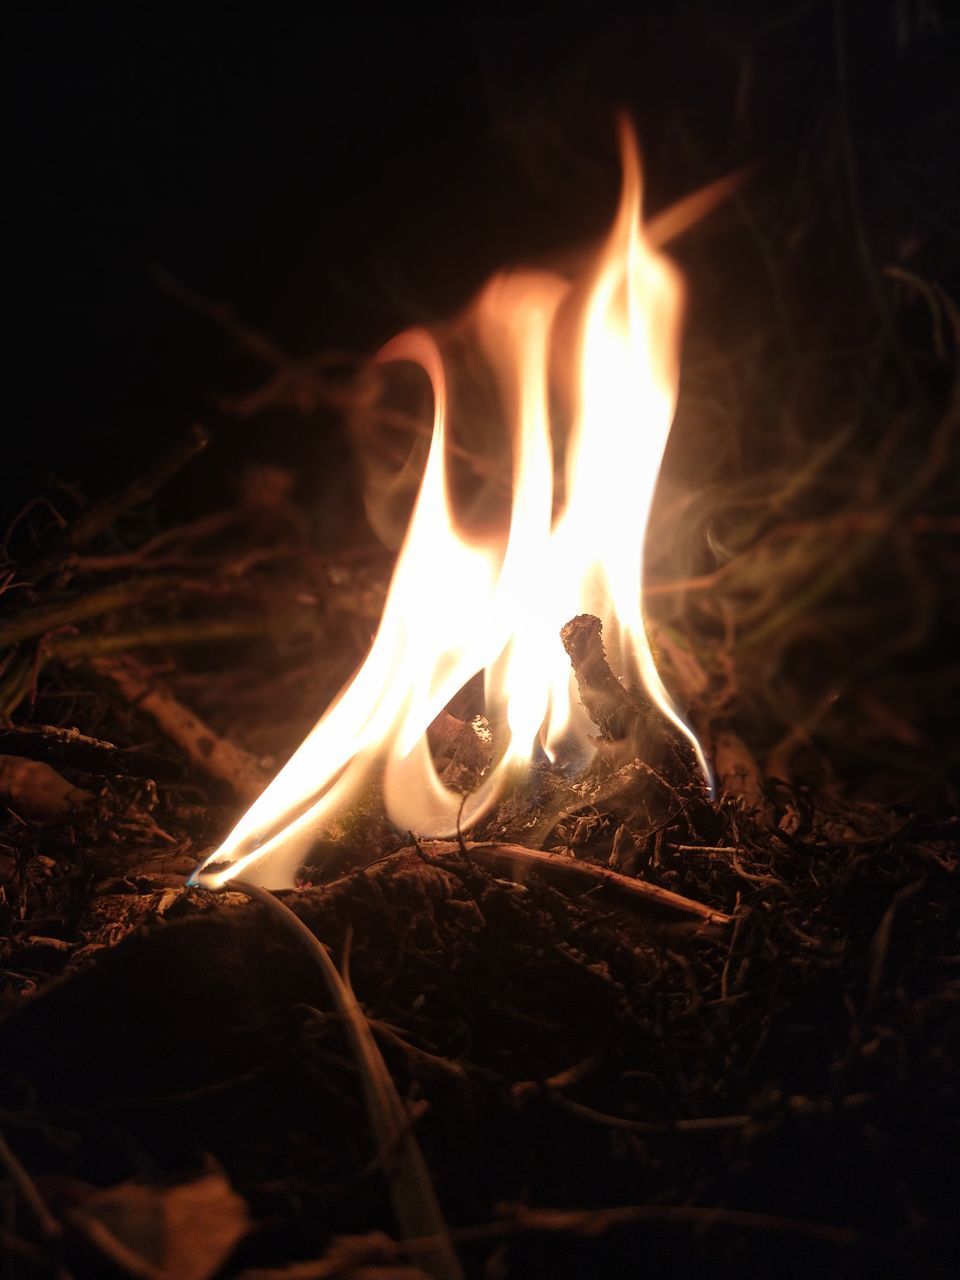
(492,603)
(605,919)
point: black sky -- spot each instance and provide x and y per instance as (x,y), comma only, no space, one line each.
(335,177)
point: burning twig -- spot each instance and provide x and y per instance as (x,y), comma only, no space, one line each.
(622,715)
(611,708)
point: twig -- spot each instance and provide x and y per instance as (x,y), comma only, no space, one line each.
(703,848)
(47,1223)
(221,315)
(431,1061)
(572,876)
(91,604)
(594,1222)
(604,698)
(371,1256)
(72,749)
(220,758)
(694,1124)
(179,537)
(103,514)
(518,1220)
(195,631)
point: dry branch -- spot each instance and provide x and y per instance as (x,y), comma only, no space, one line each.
(221,315)
(69,748)
(575,877)
(218,757)
(90,604)
(194,631)
(605,700)
(103,514)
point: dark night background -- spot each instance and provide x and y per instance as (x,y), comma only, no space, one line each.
(337,174)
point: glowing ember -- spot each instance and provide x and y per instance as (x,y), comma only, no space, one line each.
(460,605)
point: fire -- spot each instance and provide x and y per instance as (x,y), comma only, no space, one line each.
(458,604)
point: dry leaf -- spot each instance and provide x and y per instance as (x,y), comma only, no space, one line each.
(37,791)
(184,1232)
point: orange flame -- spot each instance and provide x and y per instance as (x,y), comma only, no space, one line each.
(460,605)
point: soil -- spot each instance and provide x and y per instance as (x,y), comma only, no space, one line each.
(596,1090)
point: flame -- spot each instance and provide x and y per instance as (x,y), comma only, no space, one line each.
(460,604)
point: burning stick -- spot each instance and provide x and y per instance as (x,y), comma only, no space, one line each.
(626,717)
(605,700)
